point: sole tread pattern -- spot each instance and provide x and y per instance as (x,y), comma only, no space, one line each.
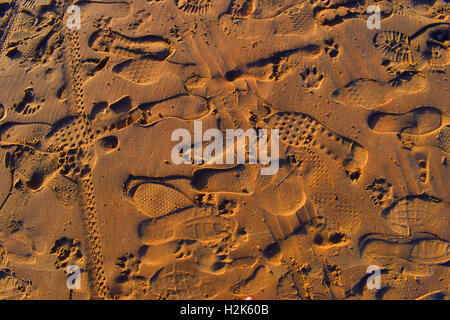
(300,130)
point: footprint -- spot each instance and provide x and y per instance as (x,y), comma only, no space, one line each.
(182,107)
(369,93)
(140,17)
(177,281)
(320,3)
(421,248)
(428,47)
(334,12)
(29,104)
(212,260)
(161,254)
(147,70)
(113,9)
(256,282)
(141,71)
(283,194)
(259,9)
(151,47)
(335,15)
(431,47)
(67,251)
(248,18)
(67,133)
(418,9)
(417,121)
(13,287)
(440,138)
(286,288)
(92,66)
(331,49)
(65,190)
(423,167)
(333,208)
(328,220)
(267,9)
(382,192)
(438,57)
(156,231)
(129,267)
(270,68)
(414,214)
(105,119)
(127,279)
(156,200)
(362,93)
(208,229)
(241,8)
(239,180)
(194,6)
(397,285)
(422,126)
(109,143)
(323,236)
(311,78)
(35,37)
(301,20)
(267,69)
(300,130)
(33,169)
(394,46)
(194,224)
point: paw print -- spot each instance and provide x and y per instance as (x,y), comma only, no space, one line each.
(394,69)
(67,251)
(423,169)
(129,266)
(227,207)
(332,49)
(311,77)
(128,282)
(29,104)
(185,249)
(30,109)
(382,192)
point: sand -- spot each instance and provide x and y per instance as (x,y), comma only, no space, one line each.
(93,205)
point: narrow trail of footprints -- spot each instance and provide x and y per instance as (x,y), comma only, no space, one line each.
(95,257)
(11,21)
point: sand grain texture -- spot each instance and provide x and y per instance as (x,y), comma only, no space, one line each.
(88,177)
